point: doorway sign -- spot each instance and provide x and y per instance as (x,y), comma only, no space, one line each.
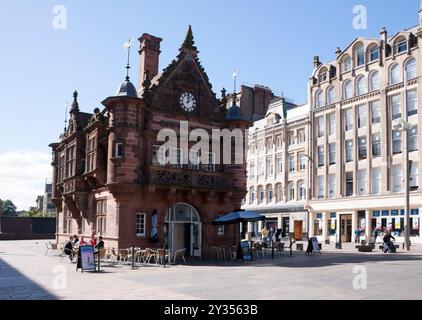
(86,259)
(315,245)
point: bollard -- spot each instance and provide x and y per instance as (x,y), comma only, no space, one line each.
(133,257)
(99,259)
(272,251)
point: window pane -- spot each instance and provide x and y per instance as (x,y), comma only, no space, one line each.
(376,181)
(348,119)
(375,109)
(396,107)
(396,141)
(349,150)
(395,74)
(411,69)
(375,81)
(362,117)
(412,103)
(376,145)
(361,86)
(396,173)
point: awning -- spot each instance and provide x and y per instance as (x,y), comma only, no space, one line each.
(238,216)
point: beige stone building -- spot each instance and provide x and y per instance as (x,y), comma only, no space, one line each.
(277,163)
(359,126)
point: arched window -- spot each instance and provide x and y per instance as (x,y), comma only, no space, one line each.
(374,81)
(252,195)
(360,55)
(302,190)
(361,87)
(291,190)
(400,45)
(323,75)
(395,74)
(410,68)
(319,99)
(346,64)
(347,89)
(331,95)
(279,192)
(373,52)
(270,193)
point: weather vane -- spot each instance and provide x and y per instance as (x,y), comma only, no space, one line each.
(65,115)
(127,47)
(234,80)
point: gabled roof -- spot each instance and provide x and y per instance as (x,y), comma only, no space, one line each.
(187,51)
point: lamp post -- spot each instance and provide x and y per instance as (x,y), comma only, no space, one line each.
(404,127)
(309,191)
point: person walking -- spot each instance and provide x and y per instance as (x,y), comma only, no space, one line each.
(357,235)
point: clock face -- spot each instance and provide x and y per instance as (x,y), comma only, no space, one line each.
(187,102)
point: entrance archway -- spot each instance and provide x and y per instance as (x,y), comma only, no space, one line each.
(184,229)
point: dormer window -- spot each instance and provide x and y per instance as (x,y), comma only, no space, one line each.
(374,53)
(401,45)
(346,64)
(360,55)
(323,75)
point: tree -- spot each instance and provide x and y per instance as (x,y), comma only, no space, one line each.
(9,209)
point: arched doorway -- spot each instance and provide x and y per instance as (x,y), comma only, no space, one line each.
(184,229)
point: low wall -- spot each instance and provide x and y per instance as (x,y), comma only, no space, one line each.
(27,228)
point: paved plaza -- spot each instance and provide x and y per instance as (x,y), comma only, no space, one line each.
(26,273)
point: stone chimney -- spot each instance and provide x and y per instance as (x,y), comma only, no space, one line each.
(150,54)
(317,63)
(384,35)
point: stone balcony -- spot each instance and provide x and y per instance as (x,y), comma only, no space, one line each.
(188,178)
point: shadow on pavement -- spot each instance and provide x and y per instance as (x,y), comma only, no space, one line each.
(300,260)
(16,286)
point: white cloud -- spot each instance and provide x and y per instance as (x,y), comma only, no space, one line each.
(22,176)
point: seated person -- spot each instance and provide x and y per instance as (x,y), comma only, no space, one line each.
(100,244)
(68,248)
(93,241)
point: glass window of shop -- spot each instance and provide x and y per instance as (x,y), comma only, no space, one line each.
(318,225)
(394,220)
(332,224)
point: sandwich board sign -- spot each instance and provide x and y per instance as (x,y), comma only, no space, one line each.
(86,259)
(315,245)
(246,253)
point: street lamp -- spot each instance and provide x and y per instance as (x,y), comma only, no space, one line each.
(404,126)
(309,191)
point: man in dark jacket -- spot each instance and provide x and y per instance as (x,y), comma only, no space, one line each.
(387,241)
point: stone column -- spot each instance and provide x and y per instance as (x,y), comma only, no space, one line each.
(325,226)
(338,227)
(354,224)
(368,229)
(311,224)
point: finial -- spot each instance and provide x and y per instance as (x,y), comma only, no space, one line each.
(75,105)
(127,47)
(65,115)
(223,93)
(234,80)
(189,42)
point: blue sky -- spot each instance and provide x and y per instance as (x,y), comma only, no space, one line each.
(270,42)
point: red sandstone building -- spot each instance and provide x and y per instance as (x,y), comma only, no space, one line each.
(106,177)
